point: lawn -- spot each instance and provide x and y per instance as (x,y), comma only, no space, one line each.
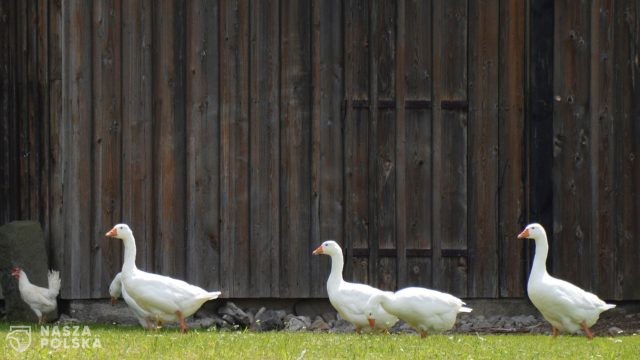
(119,342)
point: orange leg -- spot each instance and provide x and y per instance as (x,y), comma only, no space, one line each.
(586,330)
(358,330)
(149,324)
(423,334)
(554,331)
(183,325)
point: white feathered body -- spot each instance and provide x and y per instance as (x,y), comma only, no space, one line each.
(350,299)
(564,305)
(151,296)
(40,300)
(424,309)
(144,318)
(162,296)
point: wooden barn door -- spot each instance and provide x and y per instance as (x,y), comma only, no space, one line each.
(433,145)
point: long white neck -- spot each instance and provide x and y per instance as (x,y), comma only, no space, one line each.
(129,264)
(384,298)
(539,267)
(335,278)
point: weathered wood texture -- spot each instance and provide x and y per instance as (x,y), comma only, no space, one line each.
(235,136)
(595,144)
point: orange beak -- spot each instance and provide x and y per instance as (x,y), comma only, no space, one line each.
(318,250)
(112,233)
(524,234)
(372,323)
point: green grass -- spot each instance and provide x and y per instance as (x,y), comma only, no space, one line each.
(119,342)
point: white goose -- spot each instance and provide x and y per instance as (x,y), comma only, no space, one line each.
(165,298)
(423,309)
(565,306)
(350,299)
(145,318)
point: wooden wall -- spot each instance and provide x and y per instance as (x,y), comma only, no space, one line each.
(235,136)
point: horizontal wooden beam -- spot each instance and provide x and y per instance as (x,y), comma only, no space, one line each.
(460,105)
(420,253)
(391,104)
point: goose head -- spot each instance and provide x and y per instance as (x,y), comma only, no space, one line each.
(328,247)
(120,231)
(532,231)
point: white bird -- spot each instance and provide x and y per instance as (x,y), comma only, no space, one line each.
(165,298)
(565,306)
(350,299)
(146,319)
(423,309)
(40,300)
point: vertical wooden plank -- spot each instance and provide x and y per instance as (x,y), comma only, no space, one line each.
(602,149)
(77,122)
(295,151)
(382,170)
(264,150)
(234,143)
(627,167)
(57,142)
(572,245)
(400,191)
(417,145)
(483,138)
(327,143)
(22,108)
(106,138)
(137,130)
(539,127)
(356,137)
(8,171)
(511,186)
(203,142)
(450,145)
(169,137)
(32,154)
(43,120)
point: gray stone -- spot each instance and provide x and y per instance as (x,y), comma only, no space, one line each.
(614,330)
(297,323)
(342,326)
(401,327)
(329,316)
(218,321)
(65,319)
(202,323)
(268,320)
(238,316)
(466,327)
(319,325)
(228,319)
(22,244)
(524,320)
